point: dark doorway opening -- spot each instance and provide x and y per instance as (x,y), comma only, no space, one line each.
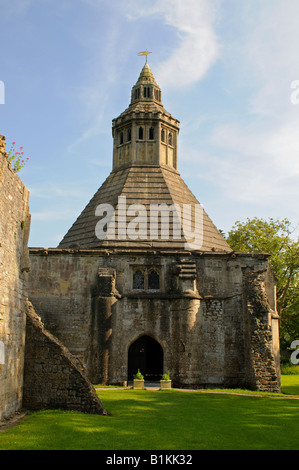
(145,354)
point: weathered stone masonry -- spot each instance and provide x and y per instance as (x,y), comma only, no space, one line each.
(199,311)
(53,378)
(14,265)
(101,308)
(261,343)
(205,323)
(36,371)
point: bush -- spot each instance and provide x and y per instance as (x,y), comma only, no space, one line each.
(289,369)
(165,377)
(138,376)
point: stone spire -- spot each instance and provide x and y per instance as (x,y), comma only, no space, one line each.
(146,88)
(146,76)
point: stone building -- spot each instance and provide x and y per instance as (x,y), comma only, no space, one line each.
(144,280)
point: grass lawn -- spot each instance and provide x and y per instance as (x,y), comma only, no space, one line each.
(167,420)
(290,384)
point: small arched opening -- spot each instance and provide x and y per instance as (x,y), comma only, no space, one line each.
(140,133)
(145,354)
(151,133)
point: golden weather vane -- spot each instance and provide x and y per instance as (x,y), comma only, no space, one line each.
(146,53)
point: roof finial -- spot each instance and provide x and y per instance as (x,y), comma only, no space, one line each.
(146,53)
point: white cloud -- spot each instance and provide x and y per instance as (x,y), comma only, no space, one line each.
(254,156)
(272,56)
(255,164)
(198,45)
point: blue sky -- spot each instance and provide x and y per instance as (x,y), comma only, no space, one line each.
(225,68)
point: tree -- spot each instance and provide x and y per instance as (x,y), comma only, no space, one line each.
(275,237)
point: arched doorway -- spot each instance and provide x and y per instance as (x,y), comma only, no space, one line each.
(145,354)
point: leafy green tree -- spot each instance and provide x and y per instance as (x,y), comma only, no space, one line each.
(275,237)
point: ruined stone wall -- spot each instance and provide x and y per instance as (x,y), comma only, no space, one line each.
(53,378)
(14,264)
(60,289)
(199,314)
(261,350)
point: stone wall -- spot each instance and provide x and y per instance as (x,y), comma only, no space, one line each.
(14,264)
(47,361)
(53,378)
(261,364)
(200,314)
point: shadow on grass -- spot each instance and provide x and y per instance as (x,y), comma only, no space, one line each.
(175,420)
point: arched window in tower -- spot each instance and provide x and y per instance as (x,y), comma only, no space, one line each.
(121,138)
(138,280)
(163,135)
(153,280)
(140,133)
(146,92)
(151,133)
(129,135)
(157,94)
(170,138)
(137,93)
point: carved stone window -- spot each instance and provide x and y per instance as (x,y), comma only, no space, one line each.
(170,138)
(153,280)
(121,138)
(138,280)
(146,278)
(140,133)
(163,135)
(129,135)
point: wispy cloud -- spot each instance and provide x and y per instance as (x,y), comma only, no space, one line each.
(102,70)
(51,215)
(16,7)
(253,157)
(258,164)
(51,191)
(198,46)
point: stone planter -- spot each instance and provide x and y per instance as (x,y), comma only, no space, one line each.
(138,384)
(165,384)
